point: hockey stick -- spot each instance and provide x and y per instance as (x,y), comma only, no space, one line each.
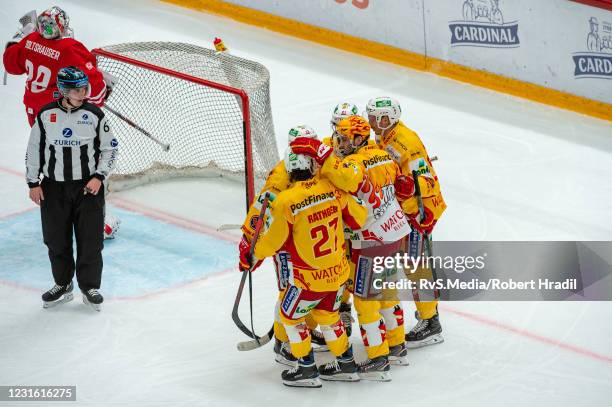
(259,341)
(419,197)
(256,343)
(228,226)
(164,146)
(27,18)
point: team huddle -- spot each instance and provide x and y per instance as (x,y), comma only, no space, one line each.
(332,206)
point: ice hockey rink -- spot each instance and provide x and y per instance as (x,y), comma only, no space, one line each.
(510,170)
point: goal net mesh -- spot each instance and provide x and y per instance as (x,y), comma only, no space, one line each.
(202,125)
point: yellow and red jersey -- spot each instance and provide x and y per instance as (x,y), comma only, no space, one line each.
(306,227)
(386,221)
(277,181)
(408,151)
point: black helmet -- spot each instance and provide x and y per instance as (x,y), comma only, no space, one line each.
(71,77)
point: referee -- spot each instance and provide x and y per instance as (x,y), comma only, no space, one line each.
(72,146)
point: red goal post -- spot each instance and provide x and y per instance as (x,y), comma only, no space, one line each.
(213,109)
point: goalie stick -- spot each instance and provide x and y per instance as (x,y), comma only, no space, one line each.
(164,146)
(257,340)
(27,18)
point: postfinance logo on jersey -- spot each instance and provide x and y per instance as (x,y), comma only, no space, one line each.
(312,200)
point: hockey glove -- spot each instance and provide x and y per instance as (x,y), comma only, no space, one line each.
(246,261)
(111,81)
(312,148)
(404,188)
(426,225)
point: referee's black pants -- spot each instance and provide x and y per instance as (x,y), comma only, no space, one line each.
(65,208)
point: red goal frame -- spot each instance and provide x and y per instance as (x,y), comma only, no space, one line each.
(249,173)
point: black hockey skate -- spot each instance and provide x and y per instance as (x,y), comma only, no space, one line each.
(283,354)
(93,298)
(425,332)
(342,369)
(317,338)
(398,355)
(59,294)
(346,317)
(304,374)
(377,369)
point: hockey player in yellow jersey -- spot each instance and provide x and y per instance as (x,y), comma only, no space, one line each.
(342,111)
(305,229)
(370,174)
(407,149)
(278,181)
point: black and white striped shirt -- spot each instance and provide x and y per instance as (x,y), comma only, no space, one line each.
(70,145)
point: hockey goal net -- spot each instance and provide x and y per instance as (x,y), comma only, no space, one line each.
(212,109)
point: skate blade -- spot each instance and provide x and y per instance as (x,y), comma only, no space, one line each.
(376,376)
(95,307)
(284,361)
(399,360)
(65,298)
(314,382)
(432,340)
(342,377)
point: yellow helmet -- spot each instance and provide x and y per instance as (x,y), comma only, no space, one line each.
(351,133)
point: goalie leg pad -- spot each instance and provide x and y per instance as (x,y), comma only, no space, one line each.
(111,226)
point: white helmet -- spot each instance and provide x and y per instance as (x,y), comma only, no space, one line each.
(53,23)
(384,106)
(301,131)
(298,162)
(342,111)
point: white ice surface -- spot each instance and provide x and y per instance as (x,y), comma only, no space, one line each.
(510,170)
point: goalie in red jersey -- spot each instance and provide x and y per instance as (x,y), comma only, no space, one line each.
(40,49)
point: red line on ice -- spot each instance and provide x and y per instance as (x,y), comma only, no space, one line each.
(13,172)
(531,335)
(198,227)
(172,219)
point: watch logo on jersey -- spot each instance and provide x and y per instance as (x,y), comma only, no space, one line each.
(483,26)
(597,62)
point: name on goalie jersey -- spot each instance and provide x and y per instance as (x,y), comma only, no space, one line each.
(41,49)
